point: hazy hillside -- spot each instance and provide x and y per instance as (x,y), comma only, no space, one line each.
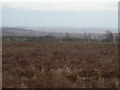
(27,32)
(31,32)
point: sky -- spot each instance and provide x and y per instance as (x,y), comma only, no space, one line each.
(59,13)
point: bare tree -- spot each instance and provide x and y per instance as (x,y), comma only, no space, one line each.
(109,36)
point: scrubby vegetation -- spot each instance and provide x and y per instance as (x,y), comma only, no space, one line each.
(59,65)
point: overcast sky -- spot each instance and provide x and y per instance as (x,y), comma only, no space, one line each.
(60,13)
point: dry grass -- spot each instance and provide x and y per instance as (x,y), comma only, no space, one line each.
(59,65)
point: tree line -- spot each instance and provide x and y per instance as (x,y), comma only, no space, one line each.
(107,37)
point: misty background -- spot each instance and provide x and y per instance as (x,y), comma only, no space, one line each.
(73,17)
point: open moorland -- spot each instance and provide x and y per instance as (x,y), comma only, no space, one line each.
(59,65)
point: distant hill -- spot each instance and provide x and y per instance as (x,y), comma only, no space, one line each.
(31,31)
(27,32)
(51,34)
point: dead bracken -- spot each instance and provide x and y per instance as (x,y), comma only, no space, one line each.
(59,65)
